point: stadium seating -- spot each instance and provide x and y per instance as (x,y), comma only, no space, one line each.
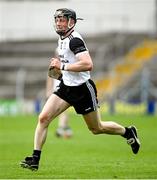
(131,64)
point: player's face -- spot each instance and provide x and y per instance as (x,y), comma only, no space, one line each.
(61,25)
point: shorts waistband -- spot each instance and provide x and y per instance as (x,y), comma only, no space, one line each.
(81,85)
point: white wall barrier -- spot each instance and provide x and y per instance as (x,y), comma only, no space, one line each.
(34,19)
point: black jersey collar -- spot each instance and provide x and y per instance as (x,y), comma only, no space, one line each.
(63,37)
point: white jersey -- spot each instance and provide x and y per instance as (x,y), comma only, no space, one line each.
(67,50)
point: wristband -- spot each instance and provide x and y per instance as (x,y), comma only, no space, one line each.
(63,67)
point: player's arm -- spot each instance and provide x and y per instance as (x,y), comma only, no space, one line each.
(84,61)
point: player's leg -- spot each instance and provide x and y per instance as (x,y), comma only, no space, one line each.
(53,107)
(63,119)
(94,123)
(64,129)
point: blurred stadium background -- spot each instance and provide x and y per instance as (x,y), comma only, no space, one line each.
(121,36)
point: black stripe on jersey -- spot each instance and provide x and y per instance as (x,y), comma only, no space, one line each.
(77,45)
(70,36)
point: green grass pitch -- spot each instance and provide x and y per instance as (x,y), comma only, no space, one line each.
(85,156)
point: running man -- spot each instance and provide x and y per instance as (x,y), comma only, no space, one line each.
(76,89)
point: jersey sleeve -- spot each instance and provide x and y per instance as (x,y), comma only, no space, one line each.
(77,45)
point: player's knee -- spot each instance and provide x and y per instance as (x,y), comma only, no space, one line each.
(43,119)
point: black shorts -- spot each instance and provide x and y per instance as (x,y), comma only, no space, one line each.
(83,97)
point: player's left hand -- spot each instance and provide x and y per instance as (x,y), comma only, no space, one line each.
(55,63)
